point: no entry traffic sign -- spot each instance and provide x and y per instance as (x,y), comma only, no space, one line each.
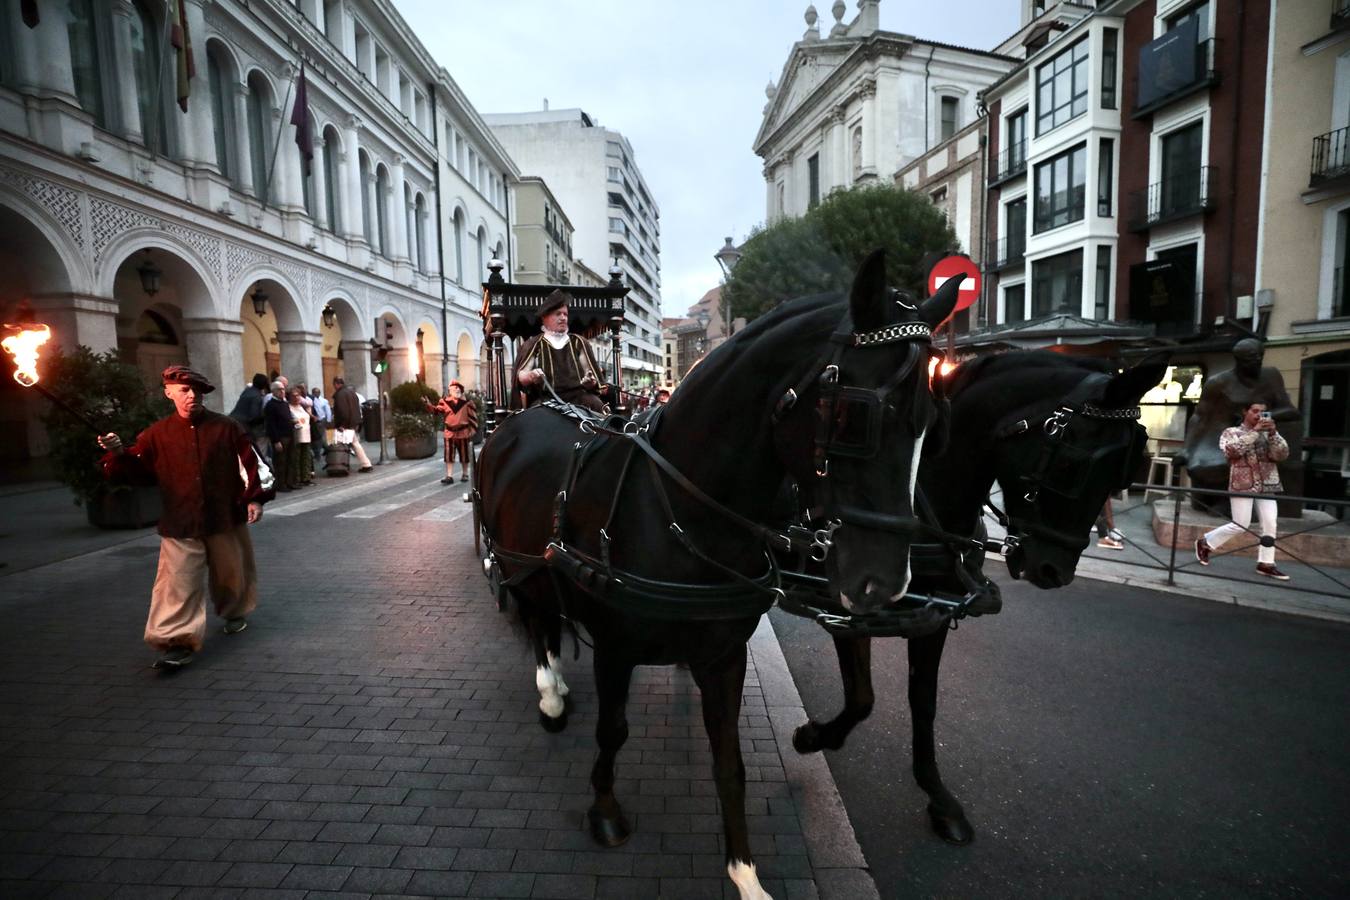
(953,265)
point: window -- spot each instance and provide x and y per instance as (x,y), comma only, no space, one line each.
(7,73)
(381,209)
(813,181)
(1060,188)
(1105,166)
(222,112)
(331,180)
(410,227)
(1198,13)
(363,175)
(1181,172)
(1061,88)
(1057,284)
(1014,303)
(1110,38)
(482,241)
(616,225)
(83,29)
(307,187)
(459,245)
(1017,141)
(257,104)
(153,90)
(939,197)
(419,222)
(1101,309)
(1017,229)
(951,118)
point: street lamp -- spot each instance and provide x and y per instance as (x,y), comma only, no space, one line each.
(149,273)
(329,316)
(259,298)
(727,258)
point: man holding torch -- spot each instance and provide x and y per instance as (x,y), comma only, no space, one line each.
(207,472)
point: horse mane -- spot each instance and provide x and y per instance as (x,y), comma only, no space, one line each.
(1021,362)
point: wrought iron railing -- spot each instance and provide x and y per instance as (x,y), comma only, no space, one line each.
(1006,252)
(1330,156)
(1010,163)
(1172,198)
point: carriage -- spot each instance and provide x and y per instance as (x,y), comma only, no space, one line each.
(663,535)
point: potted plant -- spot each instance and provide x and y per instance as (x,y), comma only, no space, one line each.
(113,394)
(413,427)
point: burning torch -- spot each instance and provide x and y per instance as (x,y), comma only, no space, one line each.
(22,345)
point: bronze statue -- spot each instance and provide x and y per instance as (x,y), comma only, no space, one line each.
(1222,401)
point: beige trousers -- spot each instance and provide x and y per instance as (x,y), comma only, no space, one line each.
(222,563)
(360,453)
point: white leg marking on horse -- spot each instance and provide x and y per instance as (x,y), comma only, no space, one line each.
(555,664)
(746,881)
(550,701)
(913,480)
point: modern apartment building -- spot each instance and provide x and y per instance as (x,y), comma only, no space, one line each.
(196,236)
(543,233)
(593,172)
(855,104)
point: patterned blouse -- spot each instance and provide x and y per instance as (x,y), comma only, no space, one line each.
(1252,456)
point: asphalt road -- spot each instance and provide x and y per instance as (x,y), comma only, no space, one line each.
(1107,741)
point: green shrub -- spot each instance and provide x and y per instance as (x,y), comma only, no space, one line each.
(409,397)
(407,425)
(110,392)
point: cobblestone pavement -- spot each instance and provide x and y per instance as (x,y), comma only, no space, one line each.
(373,733)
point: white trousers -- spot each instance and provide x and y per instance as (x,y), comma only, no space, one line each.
(1266,511)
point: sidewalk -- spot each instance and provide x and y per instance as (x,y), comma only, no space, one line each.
(373,733)
(1228,579)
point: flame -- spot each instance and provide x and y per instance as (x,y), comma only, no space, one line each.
(939,368)
(23,346)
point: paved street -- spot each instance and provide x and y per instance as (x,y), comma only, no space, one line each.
(373,733)
(1107,741)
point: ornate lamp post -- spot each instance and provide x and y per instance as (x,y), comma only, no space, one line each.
(727,257)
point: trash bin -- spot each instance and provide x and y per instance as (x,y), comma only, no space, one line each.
(370,420)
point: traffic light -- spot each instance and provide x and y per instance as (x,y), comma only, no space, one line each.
(388,333)
(381,361)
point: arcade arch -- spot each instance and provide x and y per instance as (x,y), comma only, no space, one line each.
(427,355)
(466,363)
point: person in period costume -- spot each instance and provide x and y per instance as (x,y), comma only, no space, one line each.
(563,360)
(207,472)
(1252,448)
(461,424)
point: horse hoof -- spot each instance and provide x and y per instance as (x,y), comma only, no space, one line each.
(806,739)
(554,724)
(608,831)
(954,829)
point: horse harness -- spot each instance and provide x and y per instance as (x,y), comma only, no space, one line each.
(848,423)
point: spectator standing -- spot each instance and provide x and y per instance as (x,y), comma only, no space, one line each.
(302,460)
(1252,448)
(248,413)
(323,420)
(346,419)
(207,474)
(281,432)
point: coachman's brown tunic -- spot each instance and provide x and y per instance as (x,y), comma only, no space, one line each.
(563,368)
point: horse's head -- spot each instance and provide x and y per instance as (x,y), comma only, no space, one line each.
(857,437)
(1059,465)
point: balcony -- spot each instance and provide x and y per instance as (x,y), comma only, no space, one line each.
(1330,158)
(1011,163)
(1171,68)
(1006,253)
(1173,198)
(1340,15)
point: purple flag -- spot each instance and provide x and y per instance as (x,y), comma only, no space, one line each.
(304,131)
(29,11)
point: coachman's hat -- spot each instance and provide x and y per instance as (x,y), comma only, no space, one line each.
(558,298)
(184,375)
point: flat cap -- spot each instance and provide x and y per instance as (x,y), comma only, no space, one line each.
(558,298)
(185,375)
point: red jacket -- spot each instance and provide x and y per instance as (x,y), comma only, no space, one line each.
(197,465)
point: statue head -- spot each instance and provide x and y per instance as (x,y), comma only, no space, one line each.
(1247,354)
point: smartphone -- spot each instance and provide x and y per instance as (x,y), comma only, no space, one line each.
(1265,415)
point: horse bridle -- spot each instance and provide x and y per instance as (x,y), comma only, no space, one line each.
(849,423)
(1047,476)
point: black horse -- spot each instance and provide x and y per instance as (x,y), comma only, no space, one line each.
(650,538)
(1059,434)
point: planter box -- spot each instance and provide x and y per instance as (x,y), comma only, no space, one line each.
(138,507)
(419,447)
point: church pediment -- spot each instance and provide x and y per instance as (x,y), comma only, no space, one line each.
(807,68)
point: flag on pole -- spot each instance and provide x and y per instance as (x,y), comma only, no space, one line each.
(182,45)
(28,9)
(304,132)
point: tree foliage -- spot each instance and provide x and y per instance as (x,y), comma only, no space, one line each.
(820,251)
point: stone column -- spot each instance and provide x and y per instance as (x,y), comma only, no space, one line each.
(353,223)
(839,148)
(373,199)
(398,213)
(78,319)
(215,347)
(129,111)
(869,131)
(356,366)
(42,55)
(287,189)
(198,128)
(242,151)
(431,229)
(301,356)
(319,186)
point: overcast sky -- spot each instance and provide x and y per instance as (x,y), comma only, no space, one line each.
(684,82)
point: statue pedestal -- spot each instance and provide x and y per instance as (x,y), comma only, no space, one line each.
(1326,543)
